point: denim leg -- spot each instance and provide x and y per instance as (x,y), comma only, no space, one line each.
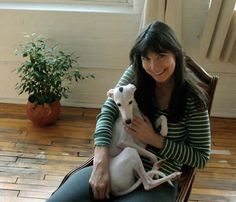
(162,193)
(75,189)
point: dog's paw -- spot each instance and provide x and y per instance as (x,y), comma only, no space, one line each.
(162,121)
(176,175)
(164,131)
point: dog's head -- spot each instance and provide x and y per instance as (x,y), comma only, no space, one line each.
(123,96)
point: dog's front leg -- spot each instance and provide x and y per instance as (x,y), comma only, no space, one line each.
(122,170)
(141,151)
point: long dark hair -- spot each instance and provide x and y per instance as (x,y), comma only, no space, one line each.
(160,38)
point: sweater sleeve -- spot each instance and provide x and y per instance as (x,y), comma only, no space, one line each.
(109,113)
(195,150)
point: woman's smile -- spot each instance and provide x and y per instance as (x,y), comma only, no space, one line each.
(159,73)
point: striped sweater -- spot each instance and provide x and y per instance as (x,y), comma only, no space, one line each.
(187,142)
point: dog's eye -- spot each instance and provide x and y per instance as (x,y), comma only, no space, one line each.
(118,104)
(130,102)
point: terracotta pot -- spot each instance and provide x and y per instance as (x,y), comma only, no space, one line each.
(43,114)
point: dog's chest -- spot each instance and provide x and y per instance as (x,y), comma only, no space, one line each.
(120,138)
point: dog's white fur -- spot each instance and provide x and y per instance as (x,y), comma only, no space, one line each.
(125,150)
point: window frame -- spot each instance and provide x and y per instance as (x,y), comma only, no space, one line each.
(130,2)
(102,6)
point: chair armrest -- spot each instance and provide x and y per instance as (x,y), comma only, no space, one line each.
(88,162)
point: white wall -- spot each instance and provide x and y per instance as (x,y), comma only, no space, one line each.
(224,104)
(102,41)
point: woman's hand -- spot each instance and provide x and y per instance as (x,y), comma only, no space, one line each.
(141,128)
(100,177)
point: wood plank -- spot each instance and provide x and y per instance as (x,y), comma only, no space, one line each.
(214,175)
(213,194)
(43,182)
(221,184)
(54,177)
(34,194)
(27,187)
(8,195)
(19,199)
(8,158)
(9,179)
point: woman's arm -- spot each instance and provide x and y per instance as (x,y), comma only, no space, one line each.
(195,151)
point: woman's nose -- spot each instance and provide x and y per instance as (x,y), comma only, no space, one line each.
(154,64)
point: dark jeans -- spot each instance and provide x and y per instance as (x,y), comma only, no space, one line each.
(77,189)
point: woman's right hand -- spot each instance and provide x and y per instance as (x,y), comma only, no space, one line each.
(100,177)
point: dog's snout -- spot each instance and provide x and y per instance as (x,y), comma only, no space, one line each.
(128,121)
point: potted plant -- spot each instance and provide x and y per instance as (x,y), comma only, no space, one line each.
(46,75)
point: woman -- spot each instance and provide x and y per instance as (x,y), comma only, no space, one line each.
(163,87)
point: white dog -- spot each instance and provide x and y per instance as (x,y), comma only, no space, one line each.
(125,151)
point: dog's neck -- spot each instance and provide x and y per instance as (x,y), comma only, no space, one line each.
(136,111)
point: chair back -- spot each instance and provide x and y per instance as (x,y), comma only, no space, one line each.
(208,82)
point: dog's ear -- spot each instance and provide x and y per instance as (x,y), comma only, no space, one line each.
(110,93)
(132,86)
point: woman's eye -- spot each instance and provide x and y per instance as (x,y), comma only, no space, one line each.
(144,58)
(161,55)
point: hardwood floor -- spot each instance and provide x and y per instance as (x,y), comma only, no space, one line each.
(33,160)
(217,182)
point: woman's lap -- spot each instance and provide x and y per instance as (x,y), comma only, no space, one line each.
(77,189)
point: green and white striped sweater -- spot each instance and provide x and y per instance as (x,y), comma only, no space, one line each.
(188,141)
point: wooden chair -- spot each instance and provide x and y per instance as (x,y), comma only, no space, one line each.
(208,82)
(188,173)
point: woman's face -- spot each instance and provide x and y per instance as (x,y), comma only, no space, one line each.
(159,66)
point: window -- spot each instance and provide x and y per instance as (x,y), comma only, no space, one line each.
(110,6)
(218,37)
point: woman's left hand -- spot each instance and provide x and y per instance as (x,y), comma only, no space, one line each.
(141,128)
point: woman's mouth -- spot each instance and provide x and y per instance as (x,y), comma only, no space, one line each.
(159,73)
